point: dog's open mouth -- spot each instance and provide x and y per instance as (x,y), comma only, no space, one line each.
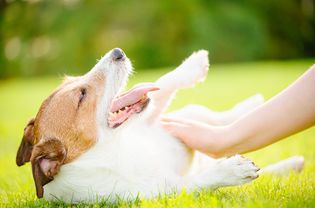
(129,103)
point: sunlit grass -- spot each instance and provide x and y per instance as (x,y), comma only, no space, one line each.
(225,86)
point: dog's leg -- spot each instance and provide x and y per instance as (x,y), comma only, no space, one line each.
(231,171)
(205,115)
(193,70)
(284,167)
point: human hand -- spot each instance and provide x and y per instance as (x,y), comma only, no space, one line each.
(210,140)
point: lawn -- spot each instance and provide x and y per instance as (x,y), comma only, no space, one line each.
(226,85)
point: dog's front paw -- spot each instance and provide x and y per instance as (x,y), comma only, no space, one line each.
(194,69)
(238,170)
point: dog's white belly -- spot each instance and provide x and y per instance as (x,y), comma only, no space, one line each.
(136,159)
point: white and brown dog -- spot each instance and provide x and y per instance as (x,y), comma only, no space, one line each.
(89,142)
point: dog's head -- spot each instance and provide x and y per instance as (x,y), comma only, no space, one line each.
(81,108)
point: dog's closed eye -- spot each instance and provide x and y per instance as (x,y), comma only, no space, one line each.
(83,93)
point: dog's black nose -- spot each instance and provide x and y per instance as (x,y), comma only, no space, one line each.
(118,54)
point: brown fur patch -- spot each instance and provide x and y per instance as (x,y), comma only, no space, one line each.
(26,147)
(47,157)
(64,117)
(64,128)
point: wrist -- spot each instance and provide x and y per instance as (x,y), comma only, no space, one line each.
(234,142)
(225,139)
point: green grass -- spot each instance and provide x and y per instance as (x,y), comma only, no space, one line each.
(225,86)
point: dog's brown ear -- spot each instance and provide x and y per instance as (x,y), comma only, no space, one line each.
(25,150)
(47,158)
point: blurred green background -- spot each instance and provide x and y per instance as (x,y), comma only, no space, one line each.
(67,36)
(255,46)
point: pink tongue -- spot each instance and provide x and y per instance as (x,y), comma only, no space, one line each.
(132,96)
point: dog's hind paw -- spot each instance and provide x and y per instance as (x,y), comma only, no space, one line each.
(285,167)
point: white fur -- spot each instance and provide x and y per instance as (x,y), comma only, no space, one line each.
(139,157)
(284,167)
(203,114)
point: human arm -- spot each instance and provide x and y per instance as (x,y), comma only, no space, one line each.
(287,113)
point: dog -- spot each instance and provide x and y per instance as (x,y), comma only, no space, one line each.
(90,141)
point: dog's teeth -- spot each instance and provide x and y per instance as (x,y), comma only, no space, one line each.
(126,108)
(119,111)
(111,114)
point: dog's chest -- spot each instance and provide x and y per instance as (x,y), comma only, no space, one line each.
(136,159)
